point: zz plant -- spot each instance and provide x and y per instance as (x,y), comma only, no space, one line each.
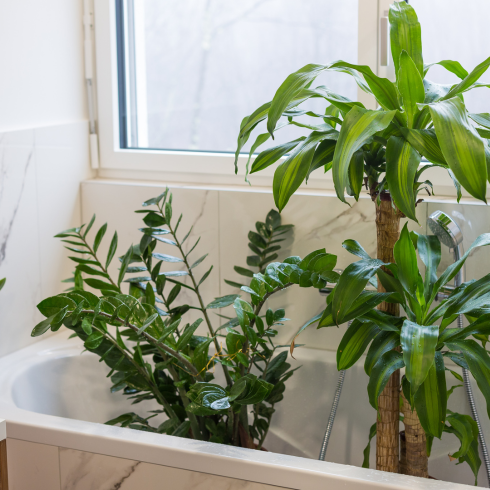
(380,149)
(154,354)
(422,342)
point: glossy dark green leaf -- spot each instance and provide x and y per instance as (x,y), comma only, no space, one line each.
(359,125)
(124,265)
(89,226)
(384,342)
(418,344)
(42,327)
(386,365)
(147,323)
(354,343)
(200,355)
(431,398)
(99,236)
(405,35)
(351,284)
(102,285)
(207,399)
(356,174)
(478,363)
(198,261)
(367,449)
(205,276)
(90,270)
(112,250)
(466,430)
(355,248)
(51,306)
(166,258)
(187,334)
(174,273)
(222,302)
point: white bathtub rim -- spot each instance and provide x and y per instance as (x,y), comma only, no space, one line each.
(268,468)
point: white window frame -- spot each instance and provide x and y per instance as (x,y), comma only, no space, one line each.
(187,166)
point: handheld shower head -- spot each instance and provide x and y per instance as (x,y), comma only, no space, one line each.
(444,228)
(450,234)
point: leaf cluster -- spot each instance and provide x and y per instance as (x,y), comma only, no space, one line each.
(423,341)
(383,148)
(150,349)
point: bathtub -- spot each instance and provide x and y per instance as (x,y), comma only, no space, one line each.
(56,398)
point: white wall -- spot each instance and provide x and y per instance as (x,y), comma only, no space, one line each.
(41,63)
(43,153)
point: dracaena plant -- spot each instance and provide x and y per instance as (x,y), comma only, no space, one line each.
(380,149)
(422,342)
(153,354)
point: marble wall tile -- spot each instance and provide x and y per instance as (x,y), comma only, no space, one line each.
(19,239)
(40,174)
(87,471)
(62,162)
(320,222)
(32,466)
(116,203)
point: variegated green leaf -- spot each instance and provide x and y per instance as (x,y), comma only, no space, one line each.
(405,34)
(402,162)
(431,398)
(419,345)
(410,86)
(461,146)
(359,125)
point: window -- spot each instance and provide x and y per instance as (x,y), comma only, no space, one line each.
(189,71)
(458,34)
(176,77)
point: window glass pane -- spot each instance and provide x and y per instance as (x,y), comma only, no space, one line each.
(456,30)
(200,66)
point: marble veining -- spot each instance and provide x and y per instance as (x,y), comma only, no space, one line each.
(40,174)
(15,161)
(82,470)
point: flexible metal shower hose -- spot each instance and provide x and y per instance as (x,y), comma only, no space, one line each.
(333,412)
(474,412)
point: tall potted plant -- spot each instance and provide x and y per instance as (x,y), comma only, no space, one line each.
(381,149)
(422,342)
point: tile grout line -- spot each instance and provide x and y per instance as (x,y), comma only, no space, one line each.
(219,252)
(59,466)
(39,234)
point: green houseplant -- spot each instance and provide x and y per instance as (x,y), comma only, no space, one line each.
(153,354)
(416,341)
(380,149)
